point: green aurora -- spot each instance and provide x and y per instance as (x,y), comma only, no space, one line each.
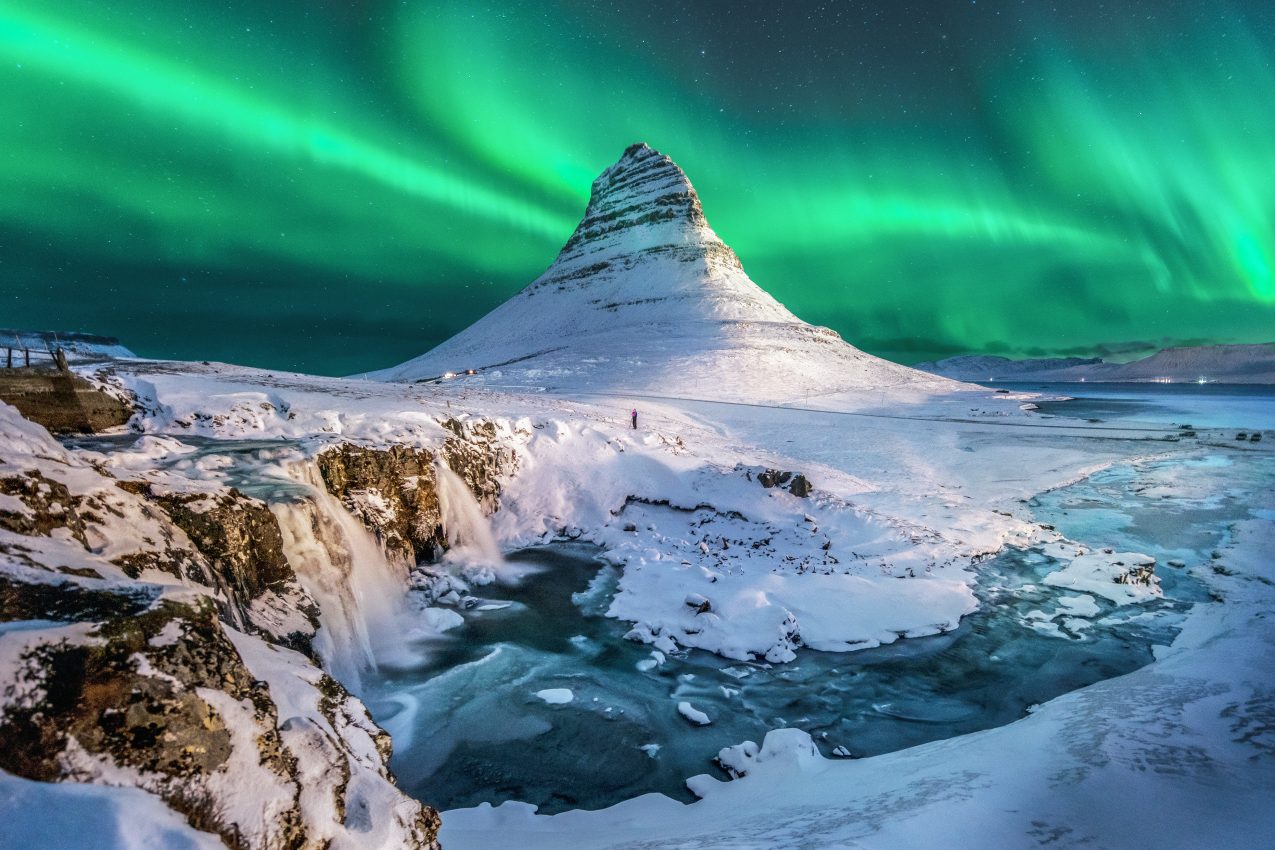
(333,187)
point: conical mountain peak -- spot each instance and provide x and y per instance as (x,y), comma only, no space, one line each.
(642,186)
(645,296)
(644,204)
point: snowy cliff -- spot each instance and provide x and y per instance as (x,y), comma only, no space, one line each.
(162,631)
(644,296)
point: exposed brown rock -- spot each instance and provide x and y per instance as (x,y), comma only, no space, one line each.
(800,486)
(238,535)
(67,600)
(61,401)
(49,504)
(394,490)
(135,704)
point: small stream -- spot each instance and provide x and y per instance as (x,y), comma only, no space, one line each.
(469,728)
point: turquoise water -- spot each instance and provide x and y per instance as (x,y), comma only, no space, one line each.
(468,727)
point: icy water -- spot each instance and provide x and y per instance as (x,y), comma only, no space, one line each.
(255,467)
(469,728)
(1240,406)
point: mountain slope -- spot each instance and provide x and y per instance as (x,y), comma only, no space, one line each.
(644,297)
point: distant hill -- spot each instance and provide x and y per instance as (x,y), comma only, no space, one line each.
(78,346)
(1221,364)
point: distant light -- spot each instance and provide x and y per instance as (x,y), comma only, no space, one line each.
(1202,380)
(449,374)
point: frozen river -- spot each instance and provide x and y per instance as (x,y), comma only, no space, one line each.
(469,726)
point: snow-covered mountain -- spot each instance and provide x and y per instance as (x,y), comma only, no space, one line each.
(644,296)
(1224,364)
(79,347)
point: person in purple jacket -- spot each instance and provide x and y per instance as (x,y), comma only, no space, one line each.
(633,414)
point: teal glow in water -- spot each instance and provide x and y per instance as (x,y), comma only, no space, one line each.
(468,727)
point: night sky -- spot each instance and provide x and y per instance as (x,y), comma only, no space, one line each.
(333,186)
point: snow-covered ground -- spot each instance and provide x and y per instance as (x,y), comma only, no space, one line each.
(904,497)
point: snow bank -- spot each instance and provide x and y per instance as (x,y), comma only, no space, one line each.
(693,714)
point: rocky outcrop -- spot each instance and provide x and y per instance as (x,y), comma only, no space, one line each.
(478,455)
(797,483)
(47,505)
(231,543)
(394,489)
(68,600)
(239,536)
(61,401)
(159,620)
(164,700)
(800,486)
(135,698)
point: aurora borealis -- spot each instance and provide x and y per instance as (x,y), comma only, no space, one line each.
(336,186)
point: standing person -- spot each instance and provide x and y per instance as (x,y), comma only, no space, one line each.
(633,414)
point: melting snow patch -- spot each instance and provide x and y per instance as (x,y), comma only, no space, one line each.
(169,635)
(556,696)
(693,714)
(1078,606)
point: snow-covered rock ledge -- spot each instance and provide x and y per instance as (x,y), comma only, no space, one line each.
(158,637)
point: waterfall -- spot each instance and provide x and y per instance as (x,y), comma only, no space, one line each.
(360,593)
(467,529)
